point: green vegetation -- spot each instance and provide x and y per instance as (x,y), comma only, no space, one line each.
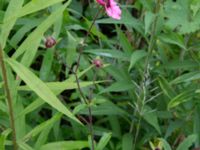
(99,75)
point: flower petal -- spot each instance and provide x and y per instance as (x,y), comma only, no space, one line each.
(113,10)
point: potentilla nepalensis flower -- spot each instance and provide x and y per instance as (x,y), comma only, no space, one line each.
(111,7)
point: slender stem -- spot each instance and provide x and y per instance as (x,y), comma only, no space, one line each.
(88,33)
(79,89)
(9,99)
(78,84)
(90,113)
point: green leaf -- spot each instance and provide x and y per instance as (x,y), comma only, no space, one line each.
(185,145)
(127,19)
(181,98)
(63,85)
(118,86)
(35,38)
(20,123)
(35,104)
(106,108)
(186,64)
(151,117)
(148,20)
(44,135)
(9,20)
(196,128)
(187,77)
(21,33)
(24,146)
(166,87)
(104,141)
(195,6)
(58,87)
(46,65)
(71,49)
(65,145)
(109,53)
(79,107)
(127,142)
(3,137)
(125,43)
(3,105)
(35,131)
(36,5)
(115,125)
(39,88)
(165,144)
(177,16)
(172,127)
(173,38)
(135,57)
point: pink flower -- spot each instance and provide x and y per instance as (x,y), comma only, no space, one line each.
(111,7)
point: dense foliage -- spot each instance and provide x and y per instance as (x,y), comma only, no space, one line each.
(75,76)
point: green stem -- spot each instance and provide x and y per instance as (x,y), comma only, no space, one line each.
(9,100)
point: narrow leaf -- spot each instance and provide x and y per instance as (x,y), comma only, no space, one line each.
(185,145)
(65,145)
(37,5)
(39,88)
(104,141)
(9,20)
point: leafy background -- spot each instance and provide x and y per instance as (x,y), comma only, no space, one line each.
(146,95)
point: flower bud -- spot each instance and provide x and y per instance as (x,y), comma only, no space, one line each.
(98,63)
(50,42)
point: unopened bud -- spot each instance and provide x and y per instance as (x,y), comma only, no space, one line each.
(50,42)
(98,63)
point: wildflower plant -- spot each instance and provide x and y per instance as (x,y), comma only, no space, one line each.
(110,75)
